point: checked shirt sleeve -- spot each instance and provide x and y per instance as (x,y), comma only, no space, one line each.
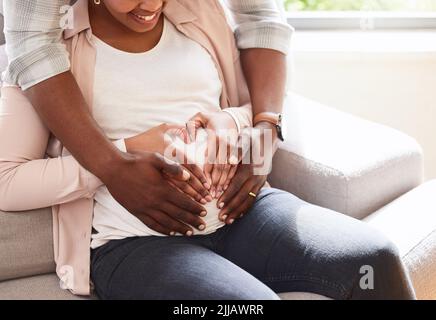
(34,41)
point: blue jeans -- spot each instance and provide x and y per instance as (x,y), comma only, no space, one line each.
(282,244)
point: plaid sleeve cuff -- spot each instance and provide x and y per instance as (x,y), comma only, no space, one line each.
(264,34)
(34,67)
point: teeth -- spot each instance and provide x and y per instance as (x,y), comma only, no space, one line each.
(146,18)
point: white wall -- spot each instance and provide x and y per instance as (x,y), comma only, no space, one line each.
(379,81)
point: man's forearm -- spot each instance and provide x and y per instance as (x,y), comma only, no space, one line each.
(60,104)
(265,73)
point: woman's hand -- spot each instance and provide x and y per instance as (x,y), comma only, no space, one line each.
(162,138)
(221,158)
(251,174)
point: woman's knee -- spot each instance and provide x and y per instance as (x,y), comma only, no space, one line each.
(375,247)
(382,274)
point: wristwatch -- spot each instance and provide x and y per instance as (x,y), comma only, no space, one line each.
(273,118)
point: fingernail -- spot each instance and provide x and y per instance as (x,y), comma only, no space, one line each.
(203,201)
(225,187)
(203,213)
(221,205)
(224,217)
(231,221)
(172,233)
(212,193)
(206,185)
(189,233)
(201,227)
(219,194)
(209,198)
(186,175)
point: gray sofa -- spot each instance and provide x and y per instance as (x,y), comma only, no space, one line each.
(330,158)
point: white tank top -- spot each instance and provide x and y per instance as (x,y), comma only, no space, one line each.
(136,92)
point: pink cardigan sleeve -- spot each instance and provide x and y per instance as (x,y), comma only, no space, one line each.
(28,180)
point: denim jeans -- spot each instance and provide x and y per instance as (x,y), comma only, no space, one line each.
(282,244)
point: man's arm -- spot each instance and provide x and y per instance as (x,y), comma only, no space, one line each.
(39,64)
(61,105)
(264,37)
(265,72)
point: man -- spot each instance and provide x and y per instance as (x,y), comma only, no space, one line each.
(39,64)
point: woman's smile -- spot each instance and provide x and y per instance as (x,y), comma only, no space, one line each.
(148,19)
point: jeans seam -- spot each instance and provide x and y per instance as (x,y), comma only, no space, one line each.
(316,280)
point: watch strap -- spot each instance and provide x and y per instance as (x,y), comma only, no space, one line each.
(270,117)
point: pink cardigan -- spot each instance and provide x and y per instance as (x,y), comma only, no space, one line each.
(36,171)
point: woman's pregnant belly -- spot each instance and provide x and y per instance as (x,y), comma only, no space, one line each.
(112,221)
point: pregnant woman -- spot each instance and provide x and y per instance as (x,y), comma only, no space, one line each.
(146,68)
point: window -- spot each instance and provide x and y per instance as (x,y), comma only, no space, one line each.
(361,14)
(359,5)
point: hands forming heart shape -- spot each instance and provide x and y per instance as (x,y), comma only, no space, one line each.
(207,148)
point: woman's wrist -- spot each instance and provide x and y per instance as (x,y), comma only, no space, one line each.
(139,142)
(235,120)
(129,143)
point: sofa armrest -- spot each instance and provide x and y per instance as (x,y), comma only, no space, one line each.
(410,222)
(341,162)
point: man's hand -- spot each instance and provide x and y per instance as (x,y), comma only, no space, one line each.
(236,199)
(251,174)
(149,195)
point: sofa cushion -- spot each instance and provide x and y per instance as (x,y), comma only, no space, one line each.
(410,221)
(26,243)
(341,162)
